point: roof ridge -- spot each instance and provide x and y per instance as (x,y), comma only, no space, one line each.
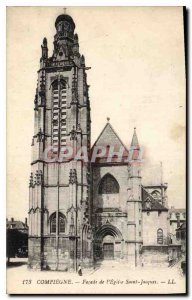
(100,135)
(118,136)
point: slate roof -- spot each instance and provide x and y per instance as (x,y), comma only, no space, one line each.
(155,205)
(16,225)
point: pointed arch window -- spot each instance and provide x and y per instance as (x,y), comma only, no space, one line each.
(160,236)
(53,223)
(108,185)
(61,224)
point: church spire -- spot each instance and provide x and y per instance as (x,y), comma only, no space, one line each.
(135,142)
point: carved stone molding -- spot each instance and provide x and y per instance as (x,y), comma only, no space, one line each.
(72,176)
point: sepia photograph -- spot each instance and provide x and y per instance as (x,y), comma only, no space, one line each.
(96,147)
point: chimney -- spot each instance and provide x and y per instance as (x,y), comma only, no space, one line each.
(26,222)
(12,219)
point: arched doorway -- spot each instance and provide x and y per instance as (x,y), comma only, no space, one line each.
(108,243)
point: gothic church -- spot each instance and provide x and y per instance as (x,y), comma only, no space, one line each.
(85,212)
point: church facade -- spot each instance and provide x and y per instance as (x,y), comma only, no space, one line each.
(83,211)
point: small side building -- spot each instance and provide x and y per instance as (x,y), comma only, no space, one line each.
(177,224)
(177,216)
(181,236)
(17,238)
(155,225)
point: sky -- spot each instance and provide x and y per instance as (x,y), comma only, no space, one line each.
(137,79)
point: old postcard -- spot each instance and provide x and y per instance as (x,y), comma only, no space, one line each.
(96,102)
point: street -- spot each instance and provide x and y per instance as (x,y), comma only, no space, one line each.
(107,277)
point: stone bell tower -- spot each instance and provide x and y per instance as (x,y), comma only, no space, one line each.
(59,193)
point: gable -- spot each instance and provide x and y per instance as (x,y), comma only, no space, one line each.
(109,138)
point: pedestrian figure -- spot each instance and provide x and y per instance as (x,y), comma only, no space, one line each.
(142,261)
(79,270)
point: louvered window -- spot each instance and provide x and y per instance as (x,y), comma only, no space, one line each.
(59,95)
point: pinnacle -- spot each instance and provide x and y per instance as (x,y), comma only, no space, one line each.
(135,142)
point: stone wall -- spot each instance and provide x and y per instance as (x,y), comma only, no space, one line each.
(155,256)
(46,254)
(152,221)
